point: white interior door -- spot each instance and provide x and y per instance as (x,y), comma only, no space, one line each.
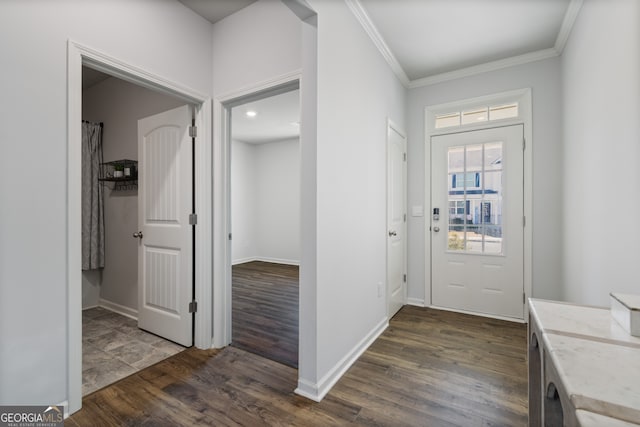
(477,241)
(165,286)
(396,220)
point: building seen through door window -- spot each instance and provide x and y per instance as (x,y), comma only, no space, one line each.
(475,198)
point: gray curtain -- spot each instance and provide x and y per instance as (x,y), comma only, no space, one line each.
(92,198)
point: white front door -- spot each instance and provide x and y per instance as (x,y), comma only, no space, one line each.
(165,286)
(477,241)
(396,220)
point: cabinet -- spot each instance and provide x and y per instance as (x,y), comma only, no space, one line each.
(583,367)
(123,174)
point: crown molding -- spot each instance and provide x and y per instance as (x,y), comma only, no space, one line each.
(486,67)
(363,18)
(563,35)
(567,24)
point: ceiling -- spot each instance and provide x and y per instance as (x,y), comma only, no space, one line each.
(91,77)
(215,10)
(277,118)
(426,41)
(432,37)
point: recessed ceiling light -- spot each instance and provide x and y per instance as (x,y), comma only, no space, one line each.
(251,113)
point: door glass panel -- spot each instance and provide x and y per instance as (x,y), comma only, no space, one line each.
(475,198)
(456,159)
(474,158)
(493,156)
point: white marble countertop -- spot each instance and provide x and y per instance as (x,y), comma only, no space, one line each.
(580,321)
(598,377)
(597,360)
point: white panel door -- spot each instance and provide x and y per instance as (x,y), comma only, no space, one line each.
(164,203)
(477,241)
(396,220)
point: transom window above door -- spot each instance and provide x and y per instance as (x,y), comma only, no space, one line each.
(486,113)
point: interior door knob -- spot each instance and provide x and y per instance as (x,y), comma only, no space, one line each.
(436,229)
(137,235)
(392,233)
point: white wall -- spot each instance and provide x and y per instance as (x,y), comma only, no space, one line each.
(243,202)
(119,105)
(543,77)
(265,201)
(91,283)
(255,44)
(278,201)
(33,131)
(601,88)
(357,93)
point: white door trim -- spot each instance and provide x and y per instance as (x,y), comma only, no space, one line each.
(79,55)
(523,96)
(222,196)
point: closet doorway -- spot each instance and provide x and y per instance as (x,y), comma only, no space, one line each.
(265,224)
(113,345)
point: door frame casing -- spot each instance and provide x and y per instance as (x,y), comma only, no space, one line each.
(77,56)
(391,126)
(523,97)
(222,309)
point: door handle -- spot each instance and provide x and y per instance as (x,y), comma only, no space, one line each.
(436,229)
(137,235)
(392,233)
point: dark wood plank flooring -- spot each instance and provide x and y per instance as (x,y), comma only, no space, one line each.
(265,310)
(429,368)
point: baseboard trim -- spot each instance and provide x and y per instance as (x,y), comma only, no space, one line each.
(118,308)
(415,301)
(65,408)
(474,313)
(266,259)
(318,391)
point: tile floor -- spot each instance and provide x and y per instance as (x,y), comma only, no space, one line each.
(113,347)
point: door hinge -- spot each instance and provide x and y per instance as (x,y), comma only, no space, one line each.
(193,306)
(404,156)
(404,278)
(193,219)
(404,217)
(523,298)
(193,131)
(229,236)
(524,144)
(524,221)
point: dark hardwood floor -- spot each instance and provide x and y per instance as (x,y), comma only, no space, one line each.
(429,368)
(265,310)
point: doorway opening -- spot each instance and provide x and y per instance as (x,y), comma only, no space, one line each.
(396,219)
(264,150)
(477,243)
(464,222)
(115,342)
(79,56)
